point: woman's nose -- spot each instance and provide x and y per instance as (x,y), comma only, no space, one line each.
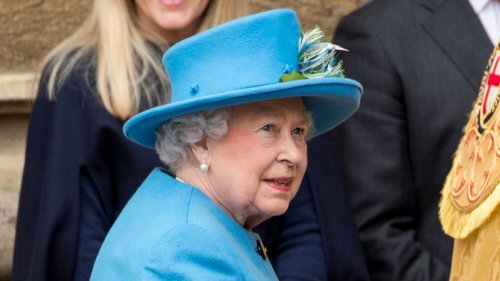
(292,151)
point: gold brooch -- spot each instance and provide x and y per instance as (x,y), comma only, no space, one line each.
(261,249)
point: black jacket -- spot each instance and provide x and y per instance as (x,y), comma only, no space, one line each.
(67,138)
(421,63)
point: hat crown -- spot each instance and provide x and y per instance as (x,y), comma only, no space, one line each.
(242,61)
(253,51)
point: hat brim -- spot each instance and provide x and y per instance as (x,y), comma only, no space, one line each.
(330,100)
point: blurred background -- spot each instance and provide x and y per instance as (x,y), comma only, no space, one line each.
(29,29)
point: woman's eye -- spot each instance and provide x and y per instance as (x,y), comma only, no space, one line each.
(299,131)
(269,128)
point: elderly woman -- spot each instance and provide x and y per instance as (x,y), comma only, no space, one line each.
(234,139)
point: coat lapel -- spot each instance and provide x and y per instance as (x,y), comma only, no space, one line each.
(453,26)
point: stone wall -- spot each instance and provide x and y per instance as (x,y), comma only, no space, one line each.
(28,30)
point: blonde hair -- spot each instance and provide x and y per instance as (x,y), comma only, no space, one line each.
(126,58)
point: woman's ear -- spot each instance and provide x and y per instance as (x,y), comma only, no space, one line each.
(200,151)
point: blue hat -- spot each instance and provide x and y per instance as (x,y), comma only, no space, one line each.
(242,61)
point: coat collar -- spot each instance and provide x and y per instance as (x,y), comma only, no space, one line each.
(467,48)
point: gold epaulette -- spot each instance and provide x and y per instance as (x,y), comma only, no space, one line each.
(471,193)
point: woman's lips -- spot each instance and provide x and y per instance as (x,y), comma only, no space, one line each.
(281,184)
(172,3)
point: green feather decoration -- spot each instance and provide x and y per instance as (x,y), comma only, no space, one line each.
(294,75)
(318,57)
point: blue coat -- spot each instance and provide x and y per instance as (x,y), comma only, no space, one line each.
(172,231)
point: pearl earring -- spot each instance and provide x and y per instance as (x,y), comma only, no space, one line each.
(204,167)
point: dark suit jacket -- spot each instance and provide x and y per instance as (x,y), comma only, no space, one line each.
(420,62)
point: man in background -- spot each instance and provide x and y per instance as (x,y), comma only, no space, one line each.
(420,62)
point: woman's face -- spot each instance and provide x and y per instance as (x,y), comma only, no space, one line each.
(173,19)
(257,166)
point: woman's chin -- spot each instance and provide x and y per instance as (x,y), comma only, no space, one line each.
(276,208)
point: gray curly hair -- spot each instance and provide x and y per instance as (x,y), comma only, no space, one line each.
(174,138)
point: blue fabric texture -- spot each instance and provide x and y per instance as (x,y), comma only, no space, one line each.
(242,61)
(172,231)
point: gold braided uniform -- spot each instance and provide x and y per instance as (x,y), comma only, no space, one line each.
(470,202)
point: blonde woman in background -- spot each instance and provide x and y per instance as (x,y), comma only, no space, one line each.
(80,170)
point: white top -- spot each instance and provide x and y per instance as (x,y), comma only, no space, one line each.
(488,12)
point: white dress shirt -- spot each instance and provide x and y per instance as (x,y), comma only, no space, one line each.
(489,14)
